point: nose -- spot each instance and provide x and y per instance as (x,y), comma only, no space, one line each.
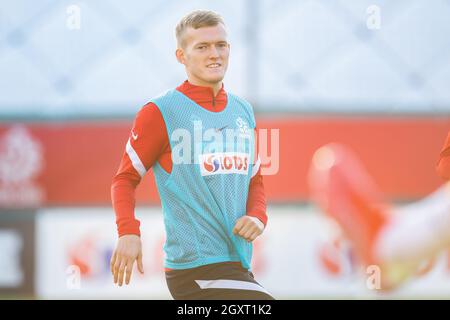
(213,52)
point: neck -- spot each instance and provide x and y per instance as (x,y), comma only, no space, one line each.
(214,86)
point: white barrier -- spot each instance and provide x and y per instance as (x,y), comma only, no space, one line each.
(74,246)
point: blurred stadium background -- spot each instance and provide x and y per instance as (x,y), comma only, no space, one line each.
(374,75)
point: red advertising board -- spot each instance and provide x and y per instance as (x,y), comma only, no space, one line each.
(72,163)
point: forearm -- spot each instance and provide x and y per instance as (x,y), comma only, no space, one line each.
(123,201)
(256,201)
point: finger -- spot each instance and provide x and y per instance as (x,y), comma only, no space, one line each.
(129,266)
(139,263)
(247,226)
(113,261)
(239,224)
(122,271)
(117,267)
(249,232)
(255,235)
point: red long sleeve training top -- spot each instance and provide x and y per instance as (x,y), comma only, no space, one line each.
(149,142)
(443,166)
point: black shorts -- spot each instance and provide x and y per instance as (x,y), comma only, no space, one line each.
(217,281)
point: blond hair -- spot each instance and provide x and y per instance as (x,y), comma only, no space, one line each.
(196,19)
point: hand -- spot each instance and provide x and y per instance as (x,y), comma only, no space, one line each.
(248,227)
(128,250)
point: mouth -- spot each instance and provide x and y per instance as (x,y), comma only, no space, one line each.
(214,65)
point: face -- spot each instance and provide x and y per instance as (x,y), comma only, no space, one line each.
(205,53)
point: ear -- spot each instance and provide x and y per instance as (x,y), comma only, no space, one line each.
(179,53)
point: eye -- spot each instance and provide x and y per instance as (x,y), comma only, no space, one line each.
(201,47)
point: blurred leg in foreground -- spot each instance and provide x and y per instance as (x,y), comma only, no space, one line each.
(398,241)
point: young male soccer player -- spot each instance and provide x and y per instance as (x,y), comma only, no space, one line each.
(210,186)
(397,241)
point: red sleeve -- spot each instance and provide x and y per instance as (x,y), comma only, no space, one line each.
(147,141)
(443,165)
(256,201)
